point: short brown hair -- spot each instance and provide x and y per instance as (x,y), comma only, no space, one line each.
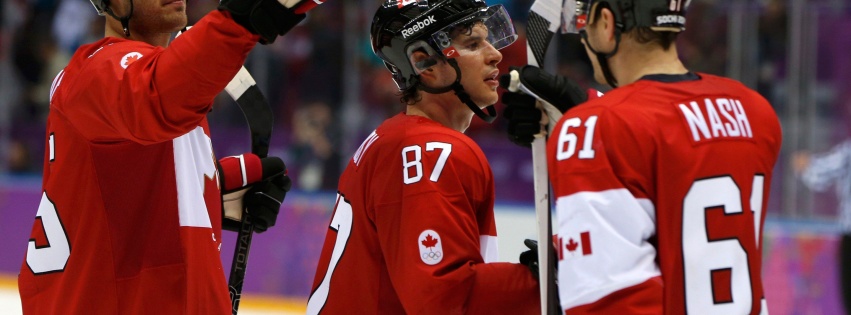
(411,95)
(645,35)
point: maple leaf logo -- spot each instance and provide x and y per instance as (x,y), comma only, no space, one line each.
(571,245)
(429,241)
(132,59)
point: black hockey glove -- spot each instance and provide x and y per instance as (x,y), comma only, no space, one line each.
(264,201)
(267,18)
(524,118)
(530,257)
(239,177)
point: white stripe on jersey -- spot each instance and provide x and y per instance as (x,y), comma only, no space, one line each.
(619,226)
(489,248)
(193,164)
(56,81)
(364,146)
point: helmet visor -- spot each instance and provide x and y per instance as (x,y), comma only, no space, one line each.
(491,25)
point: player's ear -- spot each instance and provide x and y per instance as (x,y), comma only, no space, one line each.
(607,25)
(601,30)
(424,65)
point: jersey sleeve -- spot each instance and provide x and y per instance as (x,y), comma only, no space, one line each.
(605,218)
(430,237)
(153,94)
(826,168)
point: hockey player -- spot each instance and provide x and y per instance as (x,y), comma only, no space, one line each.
(413,229)
(661,184)
(131,214)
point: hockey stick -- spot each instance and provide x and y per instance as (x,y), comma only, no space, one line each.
(243,89)
(258,114)
(544,21)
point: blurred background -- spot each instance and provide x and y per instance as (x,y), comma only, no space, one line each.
(329,92)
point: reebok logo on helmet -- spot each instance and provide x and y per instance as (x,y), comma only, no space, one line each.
(418,27)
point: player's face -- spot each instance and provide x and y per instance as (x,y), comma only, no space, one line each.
(477,61)
(154,16)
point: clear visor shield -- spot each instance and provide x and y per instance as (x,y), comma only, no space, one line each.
(489,26)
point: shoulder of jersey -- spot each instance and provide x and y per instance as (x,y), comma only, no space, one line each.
(421,131)
(602,103)
(637,92)
(730,83)
(110,52)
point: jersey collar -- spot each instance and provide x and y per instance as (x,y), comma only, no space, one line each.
(672,78)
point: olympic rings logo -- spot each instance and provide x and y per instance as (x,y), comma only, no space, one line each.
(432,256)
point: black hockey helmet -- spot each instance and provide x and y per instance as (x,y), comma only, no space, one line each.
(658,15)
(100,6)
(401,27)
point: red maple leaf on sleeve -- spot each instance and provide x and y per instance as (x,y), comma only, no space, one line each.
(132,59)
(429,241)
(571,245)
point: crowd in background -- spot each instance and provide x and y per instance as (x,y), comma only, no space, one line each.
(304,74)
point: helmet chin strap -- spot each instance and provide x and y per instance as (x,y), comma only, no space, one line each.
(462,95)
(125,20)
(603,58)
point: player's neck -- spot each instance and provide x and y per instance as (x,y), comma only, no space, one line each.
(444,108)
(634,61)
(114,29)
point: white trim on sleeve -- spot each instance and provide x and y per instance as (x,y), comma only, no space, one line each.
(610,252)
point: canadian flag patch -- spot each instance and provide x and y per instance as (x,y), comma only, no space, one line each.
(129,59)
(574,245)
(431,247)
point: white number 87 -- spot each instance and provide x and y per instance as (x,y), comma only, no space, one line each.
(416,165)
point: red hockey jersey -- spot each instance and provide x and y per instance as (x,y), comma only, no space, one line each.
(413,230)
(130,216)
(661,190)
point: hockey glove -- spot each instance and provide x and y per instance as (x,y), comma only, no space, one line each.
(238,174)
(524,117)
(264,201)
(530,257)
(267,18)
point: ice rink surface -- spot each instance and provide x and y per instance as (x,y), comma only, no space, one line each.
(10,303)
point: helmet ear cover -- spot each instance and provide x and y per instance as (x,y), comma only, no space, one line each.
(422,65)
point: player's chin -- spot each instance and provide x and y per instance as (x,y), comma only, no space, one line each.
(176,21)
(487,98)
